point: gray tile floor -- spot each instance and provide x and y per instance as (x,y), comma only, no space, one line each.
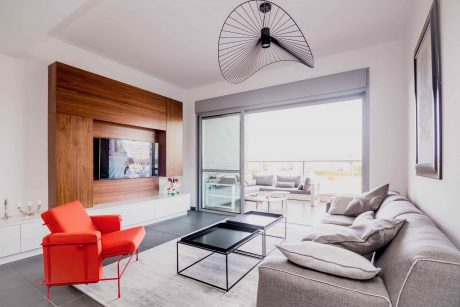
(20,280)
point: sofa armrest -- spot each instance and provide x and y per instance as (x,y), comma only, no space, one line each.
(284,284)
(107,223)
(72,238)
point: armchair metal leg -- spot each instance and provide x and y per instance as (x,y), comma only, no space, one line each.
(49,293)
(137,254)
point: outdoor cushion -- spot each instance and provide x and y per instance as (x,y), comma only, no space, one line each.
(329,259)
(363,238)
(306,184)
(280,184)
(122,242)
(295,179)
(266,180)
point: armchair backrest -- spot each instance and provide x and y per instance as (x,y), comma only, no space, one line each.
(70,217)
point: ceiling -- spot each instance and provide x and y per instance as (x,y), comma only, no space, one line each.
(176,40)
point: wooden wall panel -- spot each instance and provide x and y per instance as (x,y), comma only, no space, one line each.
(121,189)
(85,82)
(174,139)
(74,159)
(111,130)
(82,104)
(73,103)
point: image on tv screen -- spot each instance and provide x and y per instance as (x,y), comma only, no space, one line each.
(130,159)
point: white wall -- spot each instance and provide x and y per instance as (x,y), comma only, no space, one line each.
(24,113)
(439,198)
(388,112)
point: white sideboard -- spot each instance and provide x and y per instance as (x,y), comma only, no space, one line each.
(21,237)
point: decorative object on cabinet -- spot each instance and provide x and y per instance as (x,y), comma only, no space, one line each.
(173,187)
(30,211)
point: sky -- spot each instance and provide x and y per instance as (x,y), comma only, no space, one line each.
(331,131)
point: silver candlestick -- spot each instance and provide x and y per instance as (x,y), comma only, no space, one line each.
(6,216)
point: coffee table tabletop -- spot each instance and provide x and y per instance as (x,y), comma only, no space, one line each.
(223,237)
(256,219)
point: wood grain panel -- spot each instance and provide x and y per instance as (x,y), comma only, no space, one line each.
(52,136)
(112,130)
(73,103)
(85,82)
(74,159)
(105,191)
(174,139)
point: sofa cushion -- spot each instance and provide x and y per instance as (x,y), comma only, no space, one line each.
(265,180)
(341,220)
(396,209)
(250,182)
(339,204)
(329,259)
(364,217)
(282,184)
(283,284)
(367,201)
(363,238)
(295,179)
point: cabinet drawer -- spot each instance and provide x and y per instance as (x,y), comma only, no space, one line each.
(31,235)
(9,240)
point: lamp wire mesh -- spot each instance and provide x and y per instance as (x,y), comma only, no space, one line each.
(258,33)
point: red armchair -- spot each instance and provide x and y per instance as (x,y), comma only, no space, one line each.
(74,251)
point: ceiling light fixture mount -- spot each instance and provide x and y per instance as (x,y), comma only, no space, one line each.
(258,33)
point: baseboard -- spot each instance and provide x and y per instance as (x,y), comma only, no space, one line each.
(21,256)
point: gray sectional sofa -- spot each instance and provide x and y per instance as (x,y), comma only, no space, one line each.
(420,267)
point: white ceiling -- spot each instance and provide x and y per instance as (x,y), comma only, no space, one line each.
(176,40)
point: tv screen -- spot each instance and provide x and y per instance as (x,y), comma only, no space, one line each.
(121,159)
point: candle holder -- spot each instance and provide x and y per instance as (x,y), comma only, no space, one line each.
(6,216)
(30,211)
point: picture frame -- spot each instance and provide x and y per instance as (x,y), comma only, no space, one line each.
(427,78)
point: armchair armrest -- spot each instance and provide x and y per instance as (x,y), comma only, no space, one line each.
(107,223)
(72,238)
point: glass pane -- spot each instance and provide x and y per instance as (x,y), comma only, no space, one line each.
(221,143)
(221,191)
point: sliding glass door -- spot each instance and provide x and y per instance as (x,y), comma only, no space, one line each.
(220,163)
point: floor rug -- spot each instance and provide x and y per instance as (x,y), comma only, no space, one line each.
(153,280)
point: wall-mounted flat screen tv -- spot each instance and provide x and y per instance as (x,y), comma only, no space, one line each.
(124,159)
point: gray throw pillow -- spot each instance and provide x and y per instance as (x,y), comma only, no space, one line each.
(266,180)
(295,179)
(364,217)
(306,184)
(368,201)
(250,182)
(329,259)
(281,184)
(363,238)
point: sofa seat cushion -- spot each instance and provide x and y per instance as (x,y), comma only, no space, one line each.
(341,220)
(122,242)
(284,284)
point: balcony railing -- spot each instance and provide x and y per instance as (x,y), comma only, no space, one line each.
(334,176)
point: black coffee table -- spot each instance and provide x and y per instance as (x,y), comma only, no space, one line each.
(223,238)
(260,220)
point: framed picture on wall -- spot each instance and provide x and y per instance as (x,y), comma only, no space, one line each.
(427,77)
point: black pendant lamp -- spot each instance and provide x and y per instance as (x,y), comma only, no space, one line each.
(258,33)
